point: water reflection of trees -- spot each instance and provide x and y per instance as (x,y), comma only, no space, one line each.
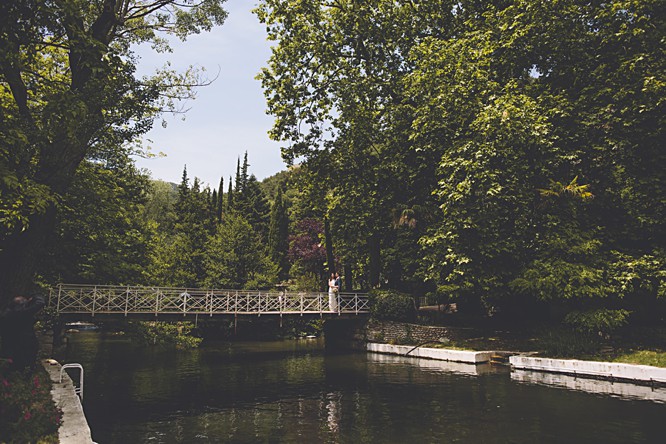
(255,393)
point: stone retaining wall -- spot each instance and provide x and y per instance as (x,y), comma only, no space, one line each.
(402,333)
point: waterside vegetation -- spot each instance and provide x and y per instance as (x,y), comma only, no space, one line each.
(27,412)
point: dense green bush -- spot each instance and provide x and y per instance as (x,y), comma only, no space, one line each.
(27,411)
(565,343)
(603,321)
(391,305)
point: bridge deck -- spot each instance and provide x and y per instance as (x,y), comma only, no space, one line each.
(128,300)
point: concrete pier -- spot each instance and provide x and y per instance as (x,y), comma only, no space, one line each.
(74,428)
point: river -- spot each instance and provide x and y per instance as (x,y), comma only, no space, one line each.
(295,392)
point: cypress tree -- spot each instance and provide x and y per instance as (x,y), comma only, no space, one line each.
(252,204)
(238,176)
(183,194)
(220,200)
(278,235)
(230,197)
(213,204)
(244,174)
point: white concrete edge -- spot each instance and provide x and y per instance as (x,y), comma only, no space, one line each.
(441,354)
(74,428)
(599,386)
(598,369)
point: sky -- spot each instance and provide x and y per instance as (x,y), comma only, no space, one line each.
(228,117)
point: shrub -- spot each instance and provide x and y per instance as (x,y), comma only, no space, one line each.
(564,343)
(391,305)
(602,321)
(305,281)
(27,411)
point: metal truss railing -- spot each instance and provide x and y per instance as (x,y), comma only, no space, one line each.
(126,300)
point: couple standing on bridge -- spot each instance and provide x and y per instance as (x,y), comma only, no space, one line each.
(334,284)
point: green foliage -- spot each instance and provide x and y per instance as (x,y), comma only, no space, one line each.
(534,127)
(27,411)
(19,200)
(102,234)
(392,305)
(178,334)
(160,204)
(198,245)
(602,321)
(251,203)
(170,261)
(644,275)
(568,344)
(69,92)
(558,190)
(305,281)
(643,357)
(47,318)
(278,235)
(235,258)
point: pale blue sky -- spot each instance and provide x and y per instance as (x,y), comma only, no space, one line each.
(228,117)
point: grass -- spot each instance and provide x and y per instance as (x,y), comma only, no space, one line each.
(655,358)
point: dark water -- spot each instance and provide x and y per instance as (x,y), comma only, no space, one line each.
(293,392)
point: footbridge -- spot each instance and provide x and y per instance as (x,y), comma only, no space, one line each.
(153,302)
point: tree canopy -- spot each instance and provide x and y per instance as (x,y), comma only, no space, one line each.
(515,147)
(70,93)
(506,155)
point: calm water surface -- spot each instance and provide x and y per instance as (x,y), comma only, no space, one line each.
(293,392)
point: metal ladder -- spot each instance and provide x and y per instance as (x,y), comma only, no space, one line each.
(77,390)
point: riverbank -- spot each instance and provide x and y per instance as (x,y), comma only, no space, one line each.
(74,427)
(638,346)
(641,374)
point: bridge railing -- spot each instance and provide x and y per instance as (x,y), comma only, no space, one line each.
(106,299)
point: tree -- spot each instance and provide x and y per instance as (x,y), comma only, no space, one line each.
(306,249)
(160,205)
(230,197)
(441,121)
(278,235)
(69,93)
(170,258)
(252,204)
(194,222)
(334,84)
(219,207)
(101,233)
(235,258)
(529,101)
(238,185)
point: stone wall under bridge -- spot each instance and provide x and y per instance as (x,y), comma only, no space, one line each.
(355,333)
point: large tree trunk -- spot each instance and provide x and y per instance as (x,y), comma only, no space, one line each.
(349,285)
